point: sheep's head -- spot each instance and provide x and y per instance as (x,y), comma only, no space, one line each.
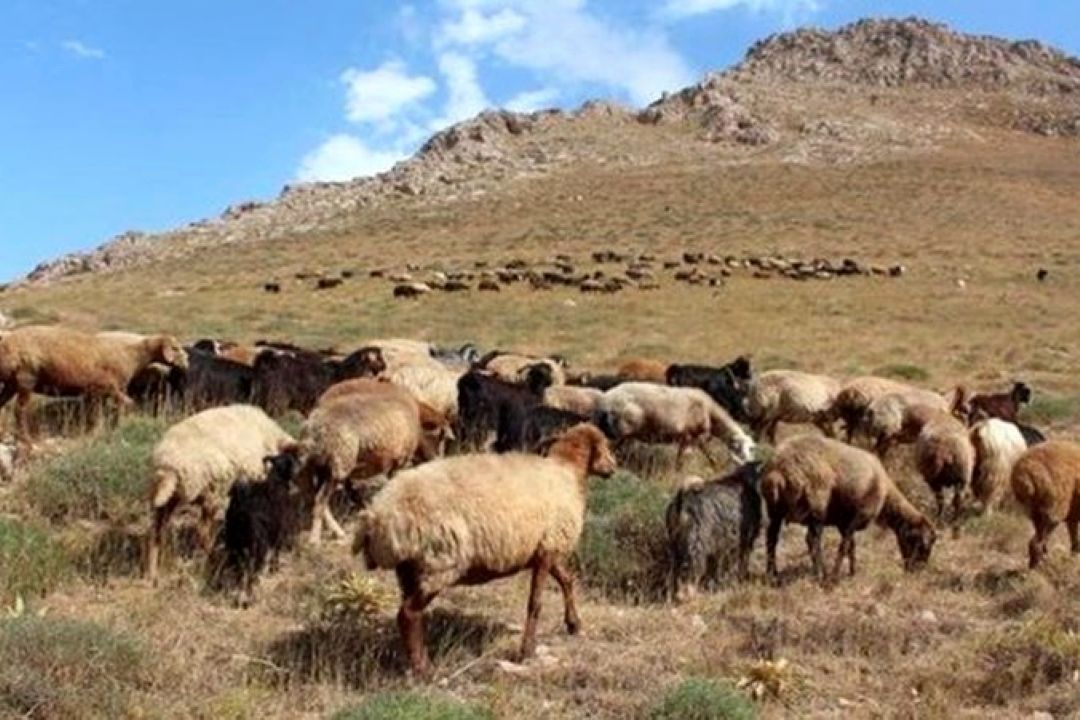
(584,445)
(169,351)
(539,377)
(961,403)
(742,448)
(916,540)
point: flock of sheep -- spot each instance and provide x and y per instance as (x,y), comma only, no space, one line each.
(487,456)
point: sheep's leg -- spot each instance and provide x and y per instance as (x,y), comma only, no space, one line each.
(958,509)
(851,555)
(939,498)
(410,619)
(1074,534)
(703,445)
(162,516)
(1037,547)
(679,455)
(770,431)
(841,553)
(566,583)
(321,513)
(772,539)
(22,415)
(206,524)
(541,568)
(814,532)
(332,524)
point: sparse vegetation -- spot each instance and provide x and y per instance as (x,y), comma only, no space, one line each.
(1053,409)
(412,706)
(31,562)
(698,699)
(55,668)
(904,371)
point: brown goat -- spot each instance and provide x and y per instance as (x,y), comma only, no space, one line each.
(1004,406)
(1046,482)
(643,370)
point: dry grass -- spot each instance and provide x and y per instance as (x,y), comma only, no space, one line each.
(975,635)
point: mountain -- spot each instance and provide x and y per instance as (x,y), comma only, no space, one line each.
(867,91)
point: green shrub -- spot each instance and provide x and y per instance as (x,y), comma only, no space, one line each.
(703,700)
(412,706)
(31,562)
(52,668)
(623,550)
(106,479)
(903,371)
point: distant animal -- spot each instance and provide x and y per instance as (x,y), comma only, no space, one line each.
(707,525)
(1004,406)
(1042,274)
(272,287)
(326,283)
(411,290)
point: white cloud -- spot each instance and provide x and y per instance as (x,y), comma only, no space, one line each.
(82,50)
(380,94)
(532,100)
(343,157)
(465,97)
(789,9)
(473,27)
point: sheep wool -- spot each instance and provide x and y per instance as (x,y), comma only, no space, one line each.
(1046,482)
(997,445)
(790,396)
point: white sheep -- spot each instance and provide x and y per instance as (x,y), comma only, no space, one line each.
(997,445)
(660,414)
(475,518)
(855,397)
(198,458)
(514,367)
(580,400)
(429,382)
(790,396)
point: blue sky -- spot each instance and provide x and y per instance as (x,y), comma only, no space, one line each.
(146,114)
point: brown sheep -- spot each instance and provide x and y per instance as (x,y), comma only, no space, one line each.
(643,370)
(945,458)
(854,399)
(1046,482)
(820,482)
(63,362)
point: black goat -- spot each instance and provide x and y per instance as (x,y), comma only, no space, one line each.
(531,430)
(727,385)
(285,381)
(710,525)
(261,521)
(486,403)
(212,381)
(1032,435)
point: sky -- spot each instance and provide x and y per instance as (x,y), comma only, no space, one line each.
(123,115)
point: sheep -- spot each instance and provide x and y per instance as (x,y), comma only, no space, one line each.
(997,445)
(484,401)
(199,456)
(514,367)
(1046,482)
(790,396)
(357,435)
(945,459)
(580,400)
(855,397)
(475,518)
(436,426)
(261,521)
(463,357)
(643,370)
(727,385)
(431,383)
(532,430)
(1004,406)
(896,418)
(707,524)
(657,413)
(294,382)
(60,361)
(821,482)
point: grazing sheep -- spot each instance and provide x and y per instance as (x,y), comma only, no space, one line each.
(790,396)
(1004,406)
(485,402)
(431,383)
(661,414)
(436,426)
(707,525)
(357,435)
(643,370)
(197,458)
(896,418)
(580,400)
(63,362)
(820,482)
(475,518)
(855,397)
(514,367)
(261,521)
(294,382)
(997,445)
(411,290)
(727,385)
(946,459)
(1046,482)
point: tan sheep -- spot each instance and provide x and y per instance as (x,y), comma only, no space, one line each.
(790,396)
(64,362)
(643,370)
(435,424)
(820,482)
(357,435)
(580,400)
(855,397)
(476,518)
(1046,482)
(430,383)
(514,368)
(896,418)
(660,414)
(997,445)
(946,459)
(198,458)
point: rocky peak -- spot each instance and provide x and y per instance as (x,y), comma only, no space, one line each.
(893,53)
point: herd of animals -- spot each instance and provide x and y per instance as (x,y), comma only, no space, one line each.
(487,455)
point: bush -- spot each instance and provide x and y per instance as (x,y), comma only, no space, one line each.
(903,371)
(106,479)
(31,562)
(703,700)
(412,706)
(623,550)
(67,669)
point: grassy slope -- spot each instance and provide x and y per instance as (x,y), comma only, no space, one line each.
(972,636)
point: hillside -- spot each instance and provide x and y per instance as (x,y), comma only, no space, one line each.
(883,144)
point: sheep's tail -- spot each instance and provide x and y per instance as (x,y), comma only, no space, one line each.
(163,487)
